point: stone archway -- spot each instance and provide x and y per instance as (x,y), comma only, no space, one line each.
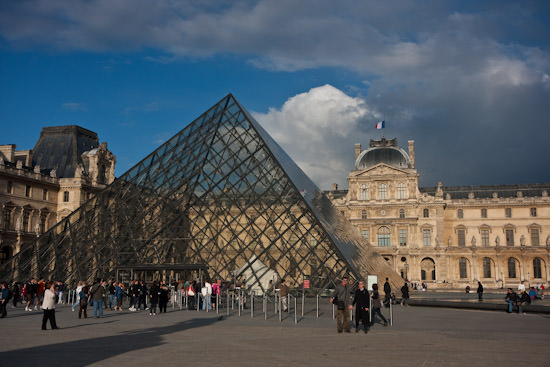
(427,269)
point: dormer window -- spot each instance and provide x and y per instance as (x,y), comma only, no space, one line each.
(382,191)
(364,192)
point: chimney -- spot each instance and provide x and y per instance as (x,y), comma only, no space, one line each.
(411,152)
(334,186)
(357,150)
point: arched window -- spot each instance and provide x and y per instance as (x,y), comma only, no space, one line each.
(363,214)
(487,268)
(401,190)
(463,267)
(382,191)
(427,269)
(383,237)
(537,268)
(512,268)
(401,213)
(364,192)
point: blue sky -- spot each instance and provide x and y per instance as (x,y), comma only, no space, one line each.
(468,81)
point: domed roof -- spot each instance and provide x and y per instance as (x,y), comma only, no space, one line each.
(383,151)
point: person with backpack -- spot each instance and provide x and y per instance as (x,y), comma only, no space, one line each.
(6,295)
(97,293)
(83,302)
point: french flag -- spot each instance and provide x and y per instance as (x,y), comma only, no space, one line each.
(380,125)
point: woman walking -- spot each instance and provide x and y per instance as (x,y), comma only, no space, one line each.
(48,305)
(119,292)
(376,305)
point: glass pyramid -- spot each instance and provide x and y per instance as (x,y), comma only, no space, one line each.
(222,195)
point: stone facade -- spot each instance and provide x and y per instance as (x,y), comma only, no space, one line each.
(38,190)
(449,237)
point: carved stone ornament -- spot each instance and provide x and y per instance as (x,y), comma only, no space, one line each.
(522,240)
(473,241)
(497,241)
(545,194)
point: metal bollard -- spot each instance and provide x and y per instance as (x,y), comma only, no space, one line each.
(186,301)
(198,301)
(295,311)
(275,302)
(391,313)
(265,306)
(303,302)
(227,305)
(239,302)
(317,305)
(252,304)
(280,310)
(333,311)
(218,302)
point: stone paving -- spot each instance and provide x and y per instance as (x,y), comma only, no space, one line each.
(420,336)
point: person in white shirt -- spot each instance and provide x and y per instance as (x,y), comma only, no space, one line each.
(48,305)
(77,298)
(207,296)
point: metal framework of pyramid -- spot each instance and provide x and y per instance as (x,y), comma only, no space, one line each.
(220,194)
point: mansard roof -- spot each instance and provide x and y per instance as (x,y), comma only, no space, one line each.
(61,147)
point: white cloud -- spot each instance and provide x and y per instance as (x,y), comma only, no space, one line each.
(314,126)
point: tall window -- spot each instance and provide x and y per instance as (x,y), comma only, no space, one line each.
(7,219)
(401,213)
(508,212)
(28,191)
(363,192)
(463,268)
(383,237)
(9,188)
(401,190)
(484,213)
(512,267)
(460,213)
(45,194)
(485,237)
(535,237)
(42,224)
(363,214)
(65,196)
(533,212)
(26,216)
(461,234)
(382,191)
(509,237)
(403,237)
(427,237)
(426,213)
(537,268)
(487,267)
(365,234)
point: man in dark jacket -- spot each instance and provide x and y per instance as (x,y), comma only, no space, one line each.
(404,294)
(361,302)
(511,298)
(342,299)
(98,292)
(479,291)
(387,293)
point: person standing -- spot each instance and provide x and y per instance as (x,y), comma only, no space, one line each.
(163,297)
(119,292)
(376,305)
(112,296)
(142,295)
(48,305)
(98,292)
(341,298)
(207,296)
(83,302)
(191,296)
(5,299)
(283,292)
(134,295)
(81,285)
(404,294)
(387,293)
(361,302)
(479,291)
(154,298)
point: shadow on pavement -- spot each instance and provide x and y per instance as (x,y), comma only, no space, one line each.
(93,350)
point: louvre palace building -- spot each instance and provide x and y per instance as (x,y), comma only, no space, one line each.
(448,237)
(40,187)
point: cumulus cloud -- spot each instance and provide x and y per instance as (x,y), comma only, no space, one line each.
(315,129)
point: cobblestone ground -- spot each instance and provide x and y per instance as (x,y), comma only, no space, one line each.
(419,337)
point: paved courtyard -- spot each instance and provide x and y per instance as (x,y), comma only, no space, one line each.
(419,337)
